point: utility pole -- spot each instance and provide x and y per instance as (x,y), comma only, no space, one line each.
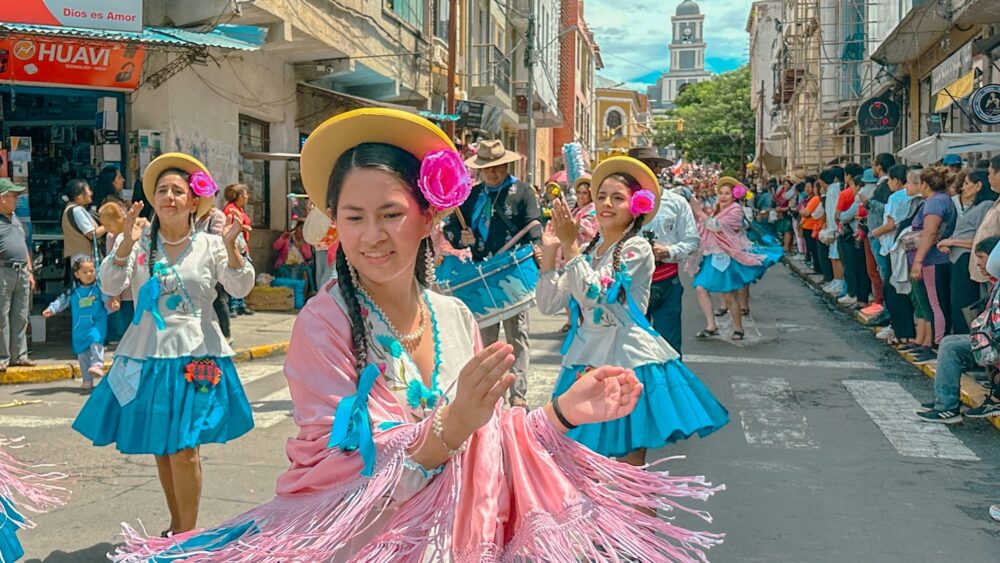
(452,57)
(531,58)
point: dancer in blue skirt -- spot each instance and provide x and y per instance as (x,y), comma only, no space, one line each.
(606,287)
(21,489)
(173,385)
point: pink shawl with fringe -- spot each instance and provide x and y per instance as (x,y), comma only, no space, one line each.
(24,487)
(729,239)
(522,491)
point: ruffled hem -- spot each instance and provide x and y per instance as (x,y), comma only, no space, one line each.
(735,276)
(674,406)
(194,415)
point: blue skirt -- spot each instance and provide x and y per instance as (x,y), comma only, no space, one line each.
(674,406)
(10,547)
(735,276)
(168,413)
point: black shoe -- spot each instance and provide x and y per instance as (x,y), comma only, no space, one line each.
(989,408)
(950,416)
(247,312)
(926,406)
(923,356)
(881,320)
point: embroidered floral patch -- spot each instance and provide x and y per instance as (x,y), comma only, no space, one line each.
(593,291)
(141,259)
(606,281)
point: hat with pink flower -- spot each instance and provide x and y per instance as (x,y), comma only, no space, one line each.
(646,200)
(198,177)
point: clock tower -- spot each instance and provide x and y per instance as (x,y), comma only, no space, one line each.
(687,55)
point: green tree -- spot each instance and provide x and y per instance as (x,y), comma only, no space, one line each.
(718,122)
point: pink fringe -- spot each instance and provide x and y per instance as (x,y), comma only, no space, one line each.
(20,484)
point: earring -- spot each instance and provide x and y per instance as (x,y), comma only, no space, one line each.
(430,279)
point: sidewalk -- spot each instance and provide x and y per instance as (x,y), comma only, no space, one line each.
(973,392)
(259,336)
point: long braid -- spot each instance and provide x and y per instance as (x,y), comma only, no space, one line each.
(347,289)
(616,256)
(154,229)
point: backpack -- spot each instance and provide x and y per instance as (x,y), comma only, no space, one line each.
(984,331)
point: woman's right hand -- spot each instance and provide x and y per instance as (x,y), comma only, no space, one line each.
(549,239)
(481,383)
(132,226)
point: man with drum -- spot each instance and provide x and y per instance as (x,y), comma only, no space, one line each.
(500,212)
(674,235)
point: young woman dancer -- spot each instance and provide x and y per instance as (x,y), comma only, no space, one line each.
(607,285)
(403,451)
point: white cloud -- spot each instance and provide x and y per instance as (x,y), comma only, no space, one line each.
(634,36)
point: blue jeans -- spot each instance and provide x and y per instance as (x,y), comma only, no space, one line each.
(881,261)
(954,355)
(664,311)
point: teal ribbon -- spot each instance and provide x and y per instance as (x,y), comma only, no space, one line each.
(149,299)
(623,282)
(574,325)
(352,425)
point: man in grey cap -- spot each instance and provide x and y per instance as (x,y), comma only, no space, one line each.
(16,281)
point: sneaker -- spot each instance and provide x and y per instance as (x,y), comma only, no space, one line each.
(835,287)
(989,408)
(847,300)
(923,356)
(881,319)
(995,512)
(827,285)
(909,347)
(926,406)
(872,310)
(950,416)
(885,334)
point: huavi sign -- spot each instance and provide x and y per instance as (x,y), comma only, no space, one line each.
(112,15)
(878,116)
(95,64)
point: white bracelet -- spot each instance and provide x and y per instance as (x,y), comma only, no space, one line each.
(569,263)
(438,429)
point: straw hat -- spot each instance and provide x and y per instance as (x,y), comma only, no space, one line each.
(180,161)
(491,153)
(727,181)
(632,167)
(339,134)
(585,179)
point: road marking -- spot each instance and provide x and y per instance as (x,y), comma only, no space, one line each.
(267,419)
(832,364)
(252,371)
(772,418)
(892,409)
(13,421)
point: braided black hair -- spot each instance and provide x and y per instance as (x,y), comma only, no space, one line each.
(154,229)
(350,293)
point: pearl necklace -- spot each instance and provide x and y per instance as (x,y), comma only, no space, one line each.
(409,340)
(177,242)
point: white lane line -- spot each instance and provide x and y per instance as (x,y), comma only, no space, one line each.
(892,408)
(771,418)
(267,419)
(13,421)
(833,364)
(253,371)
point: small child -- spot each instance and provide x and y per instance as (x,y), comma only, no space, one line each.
(90,319)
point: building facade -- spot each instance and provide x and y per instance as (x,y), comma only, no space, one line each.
(580,59)
(625,119)
(687,55)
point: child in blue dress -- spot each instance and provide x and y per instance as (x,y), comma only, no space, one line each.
(607,285)
(90,310)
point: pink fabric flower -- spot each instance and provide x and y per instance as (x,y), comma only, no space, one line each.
(141,259)
(642,202)
(202,184)
(606,280)
(739,191)
(444,180)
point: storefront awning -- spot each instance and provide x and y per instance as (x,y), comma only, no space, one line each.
(239,38)
(920,28)
(932,149)
(955,91)
(317,104)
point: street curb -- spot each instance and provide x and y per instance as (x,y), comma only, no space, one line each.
(972,392)
(57,372)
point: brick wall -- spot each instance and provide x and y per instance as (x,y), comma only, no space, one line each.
(570,16)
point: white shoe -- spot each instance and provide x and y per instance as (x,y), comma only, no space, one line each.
(847,300)
(828,285)
(835,288)
(885,334)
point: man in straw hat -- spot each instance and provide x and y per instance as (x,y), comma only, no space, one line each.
(500,210)
(673,233)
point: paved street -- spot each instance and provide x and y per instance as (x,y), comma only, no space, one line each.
(822,459)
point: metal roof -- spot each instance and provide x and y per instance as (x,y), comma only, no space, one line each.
(221,36)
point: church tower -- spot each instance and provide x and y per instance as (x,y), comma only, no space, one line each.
(687,55)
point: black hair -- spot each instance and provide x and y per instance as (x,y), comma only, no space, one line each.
(105,184)
(79,262)
(404,166)
(985,193)
(885,161)
(799,187)
(855,171)
(827,176)
(898,172)
(995,163)
(810,180)
(75,188)
(838,173)
(633,230)
(987,245)
(982,163)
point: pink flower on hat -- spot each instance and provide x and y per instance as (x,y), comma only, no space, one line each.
(643,202)
(444,180)
(202,184)
(739,191)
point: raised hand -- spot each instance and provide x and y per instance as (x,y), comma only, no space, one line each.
(565,227)
(133,225)
(481,383)
(549,239)
(602,394)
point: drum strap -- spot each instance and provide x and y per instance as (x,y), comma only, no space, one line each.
(520,234)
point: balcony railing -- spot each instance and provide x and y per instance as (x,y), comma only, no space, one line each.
(494,69)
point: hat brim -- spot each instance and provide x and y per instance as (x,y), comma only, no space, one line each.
(180,161)
(477,163)
(727,181)
(583,180)
(339,134)
(632,167)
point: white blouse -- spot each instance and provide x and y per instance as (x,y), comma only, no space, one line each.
(187,290)
(608,336)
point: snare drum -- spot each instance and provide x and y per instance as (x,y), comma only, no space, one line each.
(495,289)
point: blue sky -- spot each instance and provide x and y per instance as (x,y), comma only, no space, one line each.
(634,41)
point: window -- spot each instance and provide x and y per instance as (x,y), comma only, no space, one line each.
(256,174)
(410,11)
(441,18)
(613,122)
(687,59)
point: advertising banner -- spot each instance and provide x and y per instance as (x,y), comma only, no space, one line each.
(113,15)
(61,62)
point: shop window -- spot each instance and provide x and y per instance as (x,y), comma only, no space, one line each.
(410,11)
(256,174)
